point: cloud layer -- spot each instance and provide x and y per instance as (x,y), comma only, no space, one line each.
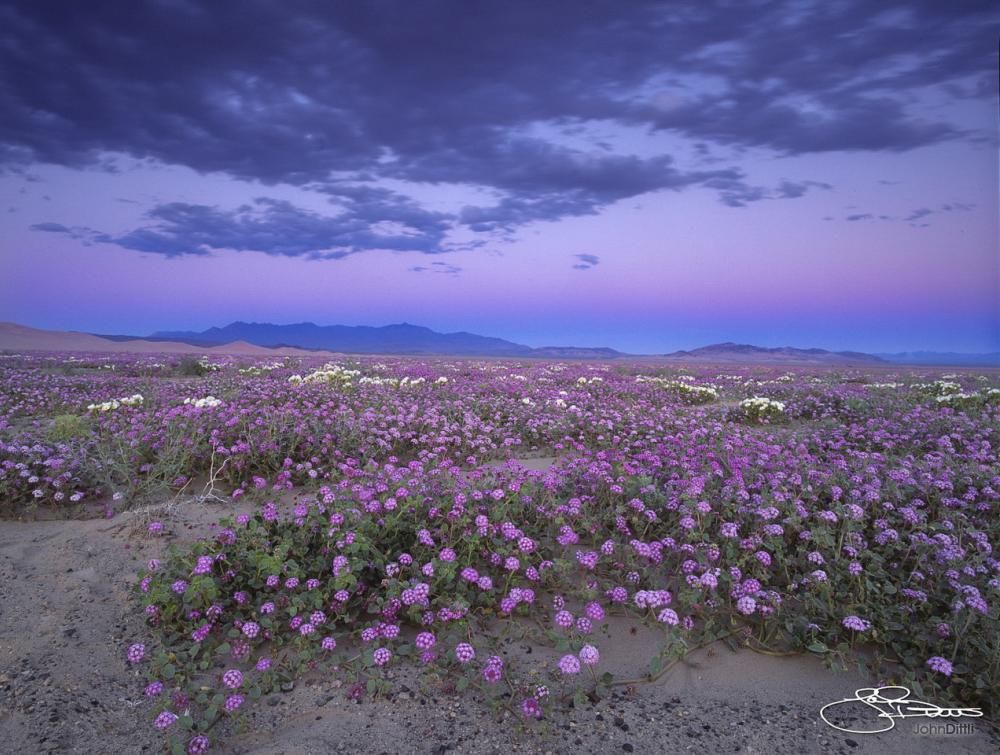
(344,99)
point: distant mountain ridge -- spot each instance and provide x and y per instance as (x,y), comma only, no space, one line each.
(402,338)
(946,358)
(737,352)
(14,337)
(304,339)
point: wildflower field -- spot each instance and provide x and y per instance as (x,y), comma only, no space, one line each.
(418,511)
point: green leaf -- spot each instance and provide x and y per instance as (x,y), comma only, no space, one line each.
(169,671)
(223,648)
(655,666)
(372,686)
(463,684)
(818,647)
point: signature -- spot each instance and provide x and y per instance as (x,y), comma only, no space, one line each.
(891,703)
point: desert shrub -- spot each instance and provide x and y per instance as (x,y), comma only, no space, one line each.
(959,400)
(683,391)
(759,410)
(190,367)
(67,427)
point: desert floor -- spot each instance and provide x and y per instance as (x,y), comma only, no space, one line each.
(69,612)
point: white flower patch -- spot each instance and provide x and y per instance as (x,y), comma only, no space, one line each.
(762,402)
(209,402)
(696,394)
(109,406)
(332,374)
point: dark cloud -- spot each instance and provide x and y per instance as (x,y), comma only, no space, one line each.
(923,212)
(546,182)
(586,262)
(442,268)
(735,192)
(338,96)
(50,227)
(273,227)
(795,189)
(79,233)
(912,217)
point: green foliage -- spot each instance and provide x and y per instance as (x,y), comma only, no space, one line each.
(68,427)
(190,367)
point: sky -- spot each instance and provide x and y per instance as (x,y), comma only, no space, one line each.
(648,176)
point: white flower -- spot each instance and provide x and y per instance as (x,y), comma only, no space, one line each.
(331,373)
(209,402)
(108,406)
(761,406)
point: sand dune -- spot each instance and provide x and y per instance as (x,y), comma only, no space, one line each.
(14,337)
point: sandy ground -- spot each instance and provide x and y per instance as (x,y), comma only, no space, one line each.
(68,615)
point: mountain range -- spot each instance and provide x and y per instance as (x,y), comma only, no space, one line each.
(403,338)
(741,352)
(259,339)
(955,359)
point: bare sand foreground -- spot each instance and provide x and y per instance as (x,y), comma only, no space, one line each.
(68,614)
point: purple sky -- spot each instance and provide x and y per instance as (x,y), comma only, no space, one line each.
(646,176)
